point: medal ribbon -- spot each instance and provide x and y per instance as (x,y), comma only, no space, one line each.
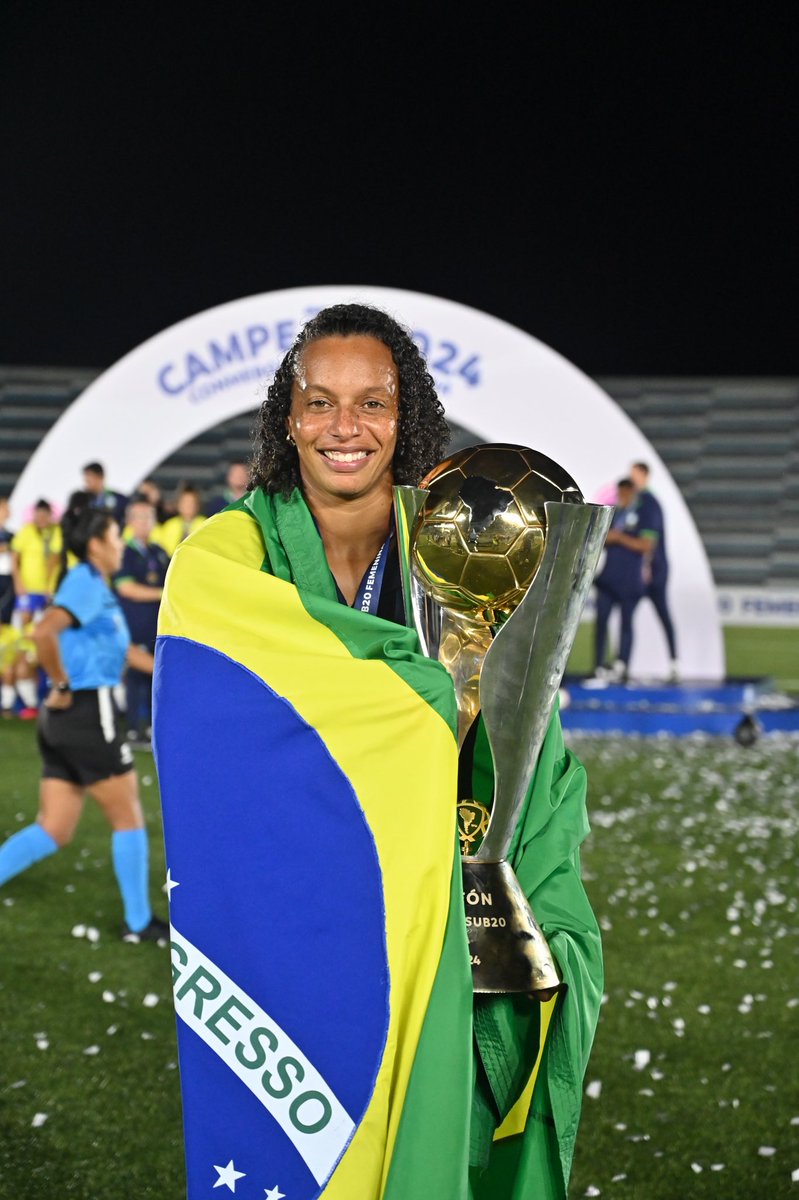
(368,595)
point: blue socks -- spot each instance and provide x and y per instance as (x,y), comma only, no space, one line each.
(129,850)
(23,849)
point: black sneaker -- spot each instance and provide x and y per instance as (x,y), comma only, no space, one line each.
(156,931)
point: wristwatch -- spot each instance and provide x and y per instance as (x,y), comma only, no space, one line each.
(62,687)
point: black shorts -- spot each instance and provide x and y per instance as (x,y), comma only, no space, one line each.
(85,742)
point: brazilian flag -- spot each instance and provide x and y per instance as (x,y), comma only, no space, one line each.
(328,1040)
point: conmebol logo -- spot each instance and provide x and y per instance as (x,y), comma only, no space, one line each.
(218,354)
(213,366)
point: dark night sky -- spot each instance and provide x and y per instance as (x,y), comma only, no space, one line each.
(620,186)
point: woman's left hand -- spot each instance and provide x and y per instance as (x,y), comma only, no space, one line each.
(58,700)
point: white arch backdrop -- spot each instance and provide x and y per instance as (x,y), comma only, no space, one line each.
(493,378)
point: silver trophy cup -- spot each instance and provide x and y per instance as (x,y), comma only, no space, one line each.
(506,654)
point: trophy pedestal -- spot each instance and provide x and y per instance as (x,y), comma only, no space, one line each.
(508,950)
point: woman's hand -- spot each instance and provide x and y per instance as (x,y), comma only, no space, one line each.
(58,700)
(140,658)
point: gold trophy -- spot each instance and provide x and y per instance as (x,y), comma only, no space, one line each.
(498,551)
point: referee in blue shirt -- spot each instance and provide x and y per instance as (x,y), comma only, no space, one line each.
(83,643)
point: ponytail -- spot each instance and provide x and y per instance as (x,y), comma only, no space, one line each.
(80,522)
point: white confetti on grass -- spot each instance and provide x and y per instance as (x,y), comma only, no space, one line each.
(92,1050)
(696,1168)
(39,1120)
(42,1043)
(737,825)
(766,1151)
(642,1059)
(150,1000)
(109,997)
(86,931)
(594,1089)
(795,1175)
(95,976)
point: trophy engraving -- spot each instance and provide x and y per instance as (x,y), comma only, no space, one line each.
(498,550)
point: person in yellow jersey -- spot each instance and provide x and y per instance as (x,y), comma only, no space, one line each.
(188,518)
(19,670)
(35,562)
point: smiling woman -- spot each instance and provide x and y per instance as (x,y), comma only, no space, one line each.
(352,411)
(343,419)
(308,766)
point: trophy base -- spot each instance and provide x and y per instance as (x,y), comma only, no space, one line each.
(508,950)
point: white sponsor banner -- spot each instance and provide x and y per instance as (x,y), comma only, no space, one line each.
(758,606)
(262,1056)
(495,381)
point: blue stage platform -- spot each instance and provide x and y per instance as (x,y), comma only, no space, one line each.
(743,709)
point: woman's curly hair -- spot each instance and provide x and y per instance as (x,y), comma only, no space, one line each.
(423,432)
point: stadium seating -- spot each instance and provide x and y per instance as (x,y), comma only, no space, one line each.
(732,446)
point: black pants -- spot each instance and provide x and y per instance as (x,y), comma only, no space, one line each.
(138,699)
(606,601)
(7,598)
(657,594)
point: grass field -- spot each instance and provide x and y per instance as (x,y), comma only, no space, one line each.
(751,652)
(692,1087)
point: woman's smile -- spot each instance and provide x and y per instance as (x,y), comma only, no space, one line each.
(343,416)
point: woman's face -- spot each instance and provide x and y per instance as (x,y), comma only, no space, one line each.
(106,552)
(188,506)
(343,417)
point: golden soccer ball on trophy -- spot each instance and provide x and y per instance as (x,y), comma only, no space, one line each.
(478,539)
